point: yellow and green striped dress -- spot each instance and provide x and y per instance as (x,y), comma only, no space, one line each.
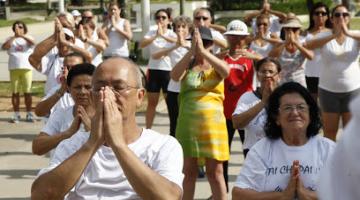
(201,126)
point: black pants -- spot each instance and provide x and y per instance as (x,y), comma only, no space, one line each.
(173,110)
(231,132)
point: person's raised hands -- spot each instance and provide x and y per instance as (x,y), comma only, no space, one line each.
(97,122)
(290,190)
(84,117)
(113,119)
(160,30)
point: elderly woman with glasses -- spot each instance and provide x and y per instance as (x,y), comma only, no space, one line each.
(158,69)
(201,126)
(19,47)
(286,164)
(340,72)
(292,53)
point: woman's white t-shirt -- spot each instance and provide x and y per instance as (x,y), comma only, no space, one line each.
(19,53)
(313,67)
(340,71)
(254,131)
(164,63)
(267,167)
(175,56)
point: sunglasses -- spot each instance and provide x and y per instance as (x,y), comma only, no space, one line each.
(20,27)
(338,14)
(320,13)
(207,43)
(85,17)
(161,17)
(260,24)
(201,18)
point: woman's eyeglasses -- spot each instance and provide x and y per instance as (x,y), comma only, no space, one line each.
(262,24)
(201,18)
(320,13)
(161,17)
(339,14)
(301,108)
(291,29)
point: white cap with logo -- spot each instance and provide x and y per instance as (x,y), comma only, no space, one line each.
(236,27)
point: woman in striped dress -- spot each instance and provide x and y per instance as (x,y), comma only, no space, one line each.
(201,127)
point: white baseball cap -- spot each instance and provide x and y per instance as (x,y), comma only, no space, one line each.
(75,13)
(68,32)
(236,27)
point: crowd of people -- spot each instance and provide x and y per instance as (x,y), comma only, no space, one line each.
(278,87)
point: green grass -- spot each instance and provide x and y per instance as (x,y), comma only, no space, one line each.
(37,89)
(4,23)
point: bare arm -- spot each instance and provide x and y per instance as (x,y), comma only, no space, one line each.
(99,44)
(147,41)
(243,119)
(276,51)
(163,52)
(309,54)
(41,50)
(102,35)
(220,66)
(8,42)
(220,28)
(318,43)
(56,183)
(279,14)
(127,33)
(43,107)
(178,72)
(29,40)
(43,143)
(248,194)
(248,18)
(221,43)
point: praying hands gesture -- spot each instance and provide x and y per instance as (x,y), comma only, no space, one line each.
(296,187)
(107,122)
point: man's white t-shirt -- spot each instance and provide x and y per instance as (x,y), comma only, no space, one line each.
(340,71)
(59,121)
(64,102)
(267,167)
(51,66)
(218,36)
(19,53)
(341,177)
(156,45)
(103,178)
(254,131)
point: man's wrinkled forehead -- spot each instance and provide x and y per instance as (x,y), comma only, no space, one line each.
(113,70)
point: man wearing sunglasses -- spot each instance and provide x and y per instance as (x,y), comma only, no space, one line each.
(202,17)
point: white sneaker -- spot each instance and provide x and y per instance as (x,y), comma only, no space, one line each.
(30,117)
(15,119)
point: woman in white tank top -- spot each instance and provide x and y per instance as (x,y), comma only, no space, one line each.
(119,32)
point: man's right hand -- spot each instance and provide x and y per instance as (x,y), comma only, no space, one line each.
(97,122)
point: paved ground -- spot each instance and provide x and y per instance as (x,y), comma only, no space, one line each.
(18,166)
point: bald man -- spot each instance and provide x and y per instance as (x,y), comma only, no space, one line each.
(118,159)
